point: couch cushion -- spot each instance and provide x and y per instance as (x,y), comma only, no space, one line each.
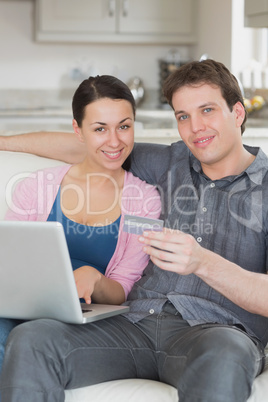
(260,386)
(137,390)
(16,166)
(132,390)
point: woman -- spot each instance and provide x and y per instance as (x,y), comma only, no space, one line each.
(91,198)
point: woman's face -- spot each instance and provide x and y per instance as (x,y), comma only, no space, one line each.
(108,133)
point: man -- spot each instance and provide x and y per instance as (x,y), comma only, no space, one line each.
(198,317)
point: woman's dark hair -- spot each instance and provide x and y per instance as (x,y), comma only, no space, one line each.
(206,72)
(94,88)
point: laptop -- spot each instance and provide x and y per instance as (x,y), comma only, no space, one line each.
(36,276)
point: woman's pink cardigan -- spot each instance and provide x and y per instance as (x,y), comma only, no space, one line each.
(34,196)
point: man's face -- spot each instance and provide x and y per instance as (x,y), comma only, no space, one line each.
(207,126)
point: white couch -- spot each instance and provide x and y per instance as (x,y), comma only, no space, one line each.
(15,166)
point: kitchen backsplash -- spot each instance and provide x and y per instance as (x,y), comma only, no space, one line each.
(35,99)
(53,99)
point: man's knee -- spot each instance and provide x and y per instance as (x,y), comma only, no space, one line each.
(224,346)
(225,342)
(222,361)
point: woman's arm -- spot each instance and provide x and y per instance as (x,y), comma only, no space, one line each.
(129,260)
(95,287)
(54,145)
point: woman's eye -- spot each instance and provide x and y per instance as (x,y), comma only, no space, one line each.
(99,129)
(124,127)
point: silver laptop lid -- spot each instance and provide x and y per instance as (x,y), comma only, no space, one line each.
(36,276)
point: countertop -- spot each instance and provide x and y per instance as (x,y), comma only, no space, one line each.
(151,122)
(49,110)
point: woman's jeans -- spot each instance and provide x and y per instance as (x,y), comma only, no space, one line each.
(208,363)
(6,325)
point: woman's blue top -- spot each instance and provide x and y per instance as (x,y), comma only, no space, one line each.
(88,245)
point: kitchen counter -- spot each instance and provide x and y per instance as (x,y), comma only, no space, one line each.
(18,107)
(150,118)
(152,125)
(252,136)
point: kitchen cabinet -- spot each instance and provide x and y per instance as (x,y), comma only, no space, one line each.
(116,21)
(256,13)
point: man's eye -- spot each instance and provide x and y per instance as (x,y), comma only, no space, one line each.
(207,109)
(183,117)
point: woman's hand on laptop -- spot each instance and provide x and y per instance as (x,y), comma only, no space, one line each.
(93,286)
(86,278)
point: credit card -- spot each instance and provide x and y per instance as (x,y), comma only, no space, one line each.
(138,224)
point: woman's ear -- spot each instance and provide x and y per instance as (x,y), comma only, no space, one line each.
(77,131)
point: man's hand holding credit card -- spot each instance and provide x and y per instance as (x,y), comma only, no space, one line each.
(137,224)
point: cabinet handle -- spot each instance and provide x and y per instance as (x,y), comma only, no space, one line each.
(111,8)
(125,8)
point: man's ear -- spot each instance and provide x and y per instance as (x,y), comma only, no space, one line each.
(77,131)
(239,113)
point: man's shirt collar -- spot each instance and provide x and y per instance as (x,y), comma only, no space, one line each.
(253,171)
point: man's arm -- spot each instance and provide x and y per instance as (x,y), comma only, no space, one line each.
(145,161)
(179,252)
(54,145)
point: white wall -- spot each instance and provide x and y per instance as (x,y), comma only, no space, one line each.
(26,64)
(242,39)
(214,30)
(249,50)
(221,34)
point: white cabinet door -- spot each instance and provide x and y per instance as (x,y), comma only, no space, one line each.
(256,13)
(68,17)
(116,21)
(169,17)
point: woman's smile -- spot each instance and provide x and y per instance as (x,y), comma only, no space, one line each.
(113,154)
